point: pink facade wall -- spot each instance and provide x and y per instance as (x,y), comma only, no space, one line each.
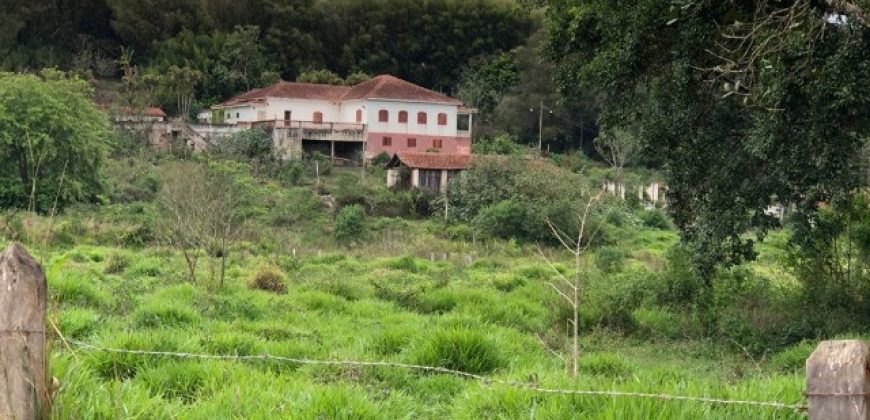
(450,145)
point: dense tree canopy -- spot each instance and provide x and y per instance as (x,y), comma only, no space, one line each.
(233,43)
(52,141)
(745,103)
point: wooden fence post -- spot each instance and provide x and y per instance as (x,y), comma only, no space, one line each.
(23,366)
(838,380)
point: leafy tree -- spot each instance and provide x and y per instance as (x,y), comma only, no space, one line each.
(745,103)
(321,76)
(500,144)
(53,141)
(486,81)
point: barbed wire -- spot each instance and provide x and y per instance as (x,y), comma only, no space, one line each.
(437,369)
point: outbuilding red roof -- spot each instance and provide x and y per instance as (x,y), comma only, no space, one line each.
(147,112)
(418,160)
(381,87)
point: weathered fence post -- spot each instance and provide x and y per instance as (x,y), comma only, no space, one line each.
(838,380)
(23,367)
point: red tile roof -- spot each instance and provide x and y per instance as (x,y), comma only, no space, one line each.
(294,90)
(417,160)
(392,88)
(381,87)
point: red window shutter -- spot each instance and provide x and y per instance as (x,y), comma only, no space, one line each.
(412,142)
(437,143)
(421,118)
(442,119)
(359,115)
(384,115)
(387,141)
(403,116)
(318,118)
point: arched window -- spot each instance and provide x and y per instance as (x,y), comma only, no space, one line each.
(442,119)
(421,117)
(403,116)
(384,115)
(318,117)
(359,115)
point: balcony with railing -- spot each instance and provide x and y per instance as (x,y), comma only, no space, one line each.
(314,130)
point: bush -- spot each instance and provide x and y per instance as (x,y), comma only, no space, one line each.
(381,159)
(116,264)
(460,349)
(506,219)
(655,219)
(610,260)
(350,224)
(268,278)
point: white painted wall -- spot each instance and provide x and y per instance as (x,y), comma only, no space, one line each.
(348,111)
(302,109)
(411,127)
(240,113)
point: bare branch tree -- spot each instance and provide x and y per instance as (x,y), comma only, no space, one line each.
(200,209)
(568,287)
(619,147)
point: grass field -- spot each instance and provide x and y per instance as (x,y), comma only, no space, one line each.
(485,309)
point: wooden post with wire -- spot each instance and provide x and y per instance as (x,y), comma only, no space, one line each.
(24,391)
(838,380)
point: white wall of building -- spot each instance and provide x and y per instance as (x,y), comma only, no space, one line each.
(431,128)
(237,114)
(348,111)
(302,109)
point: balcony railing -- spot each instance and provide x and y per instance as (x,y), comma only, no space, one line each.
(312,130)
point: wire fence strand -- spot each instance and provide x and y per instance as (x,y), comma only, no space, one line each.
(437,369)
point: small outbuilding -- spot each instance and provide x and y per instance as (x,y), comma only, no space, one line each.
(426,171)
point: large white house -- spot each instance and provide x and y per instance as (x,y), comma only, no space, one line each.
(382,115)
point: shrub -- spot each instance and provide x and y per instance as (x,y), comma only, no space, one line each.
(506,219)
(116,264)
(268,278)
(164,314)
(381,159)
(350,225)
(460,349)
(654,218)
(610,259)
